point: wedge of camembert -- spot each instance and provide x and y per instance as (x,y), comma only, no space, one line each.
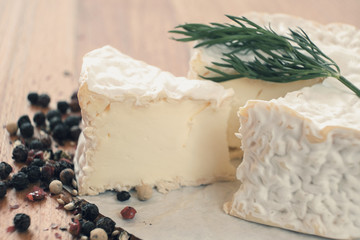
(301,164)
(245,89)
(145,126)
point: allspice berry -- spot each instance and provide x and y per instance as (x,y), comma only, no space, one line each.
(144,192)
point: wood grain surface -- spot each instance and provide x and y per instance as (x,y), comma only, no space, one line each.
(42,43)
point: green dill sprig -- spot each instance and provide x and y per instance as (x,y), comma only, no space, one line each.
(276,58)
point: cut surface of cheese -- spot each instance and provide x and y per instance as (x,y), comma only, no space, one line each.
(145,126)
(326,37)
(301,164)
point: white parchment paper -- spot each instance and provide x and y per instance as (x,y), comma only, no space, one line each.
(188,213)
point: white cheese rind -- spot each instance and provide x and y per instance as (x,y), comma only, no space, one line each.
(144,127)
(333,39)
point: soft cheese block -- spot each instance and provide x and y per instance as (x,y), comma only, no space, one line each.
(145,126)
(325,36)
(301,164)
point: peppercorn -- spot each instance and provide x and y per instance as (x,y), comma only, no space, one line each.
(20,181)
(2,189)
(43,100)
(27,130)
(89,211)
(20,153)
(107,224)
(37,162)
(72,120)
(61,132)
(123,196)
(58,155)
(55,187)
(128,212)
(74,96)
(12,128)
(66,176)
(33,98)
(39,119)
(53,113)
(47,172)
(62,106)
(21,222)
(74,105)
(75,227)
(33,173)
(54,122)
(144,192)
(75,132)
(45,140)
(23,119)
(5,170)
(87,227)
(98,234)
(36,144)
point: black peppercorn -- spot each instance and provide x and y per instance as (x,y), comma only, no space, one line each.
(87,227)
(72,120)
(5,170)
(47,172)
(61,132)
(54,122)
(45,140)
(74,105)
(20,153)
(123,196)
(58,155)
(75,132)
(43,100)
(23,119)
(62,106)
(21,222)
(39,119)
(38,162)
(89,211)
(33,97)
(2,189)
(53,113)
(27,130)
(33,173)
(74,96)
(19,181)
(36,144)
(107,224)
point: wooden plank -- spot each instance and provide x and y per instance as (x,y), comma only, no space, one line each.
(37,45)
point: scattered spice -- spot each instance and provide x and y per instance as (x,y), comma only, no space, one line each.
(98,234)
(36,195)
(12,128)
(43,100)
(63,106)
(55,187)
(107,224)
(14,206)
(87,227)
(11,229)
(128,212)
(19,181)
(123,196)
(27,130)
(75,227)
(54,226)
(5,170)
(33,171)
(3,189)
(23,119)
(33,97)
(39,119)
(144,192)
(57,235)
(89,211)
(20,153)
(66,176)
(21,222)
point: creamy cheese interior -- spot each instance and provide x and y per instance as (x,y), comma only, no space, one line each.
(142,125)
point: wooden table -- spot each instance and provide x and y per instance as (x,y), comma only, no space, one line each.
(42,43)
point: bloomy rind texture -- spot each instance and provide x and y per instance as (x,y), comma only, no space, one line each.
(325,36)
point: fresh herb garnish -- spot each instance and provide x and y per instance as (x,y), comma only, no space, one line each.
(277,58)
